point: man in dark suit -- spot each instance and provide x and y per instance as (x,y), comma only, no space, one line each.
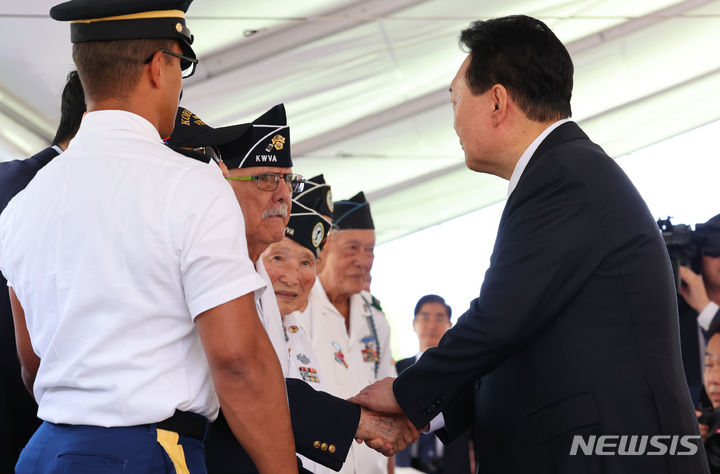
(18,420)
(430,321)
(572,346)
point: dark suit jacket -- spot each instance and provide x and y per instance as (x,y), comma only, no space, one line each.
(315,416)
(456,455)
(575,331)
(403,364)
(18,410)
(690,349)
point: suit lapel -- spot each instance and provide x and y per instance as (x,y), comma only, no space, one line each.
(565,132)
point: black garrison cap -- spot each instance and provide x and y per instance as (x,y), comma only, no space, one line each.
(191,131)
(270,144)
(103,20)
(316,195)
(353,213)
(307,227)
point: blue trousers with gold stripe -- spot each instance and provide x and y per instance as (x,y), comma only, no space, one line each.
(80,449)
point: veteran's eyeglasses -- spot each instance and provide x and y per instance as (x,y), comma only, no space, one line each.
(270,181)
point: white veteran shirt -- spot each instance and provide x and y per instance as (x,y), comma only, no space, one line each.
(348,362)
(303,365)
(269,312)
(113,249)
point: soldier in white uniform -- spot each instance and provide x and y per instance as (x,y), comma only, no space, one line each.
(350,334)
(129,272)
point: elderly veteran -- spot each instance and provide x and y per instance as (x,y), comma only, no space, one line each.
(261,177)
(317,195)
(124,308)
(350,334)
(290,264)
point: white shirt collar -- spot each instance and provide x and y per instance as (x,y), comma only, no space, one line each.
(57,149)
(118,120)
(528,153)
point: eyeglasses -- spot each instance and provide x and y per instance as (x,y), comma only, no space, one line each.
(270,181)
(187,64)
(211,152)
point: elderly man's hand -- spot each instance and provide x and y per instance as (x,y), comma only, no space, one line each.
(694,290)
(378,397)
(385,433)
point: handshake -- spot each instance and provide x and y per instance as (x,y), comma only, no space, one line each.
(383,426)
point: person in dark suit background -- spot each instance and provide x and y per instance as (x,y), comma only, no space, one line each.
(18,420)
(431,318)
(575,332)
(16,174)
(430,321)
(699,306)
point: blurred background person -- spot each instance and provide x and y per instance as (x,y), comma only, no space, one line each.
(709,416)
(699,293)
(431,319)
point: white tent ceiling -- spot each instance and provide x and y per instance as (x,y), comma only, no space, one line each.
(365,84)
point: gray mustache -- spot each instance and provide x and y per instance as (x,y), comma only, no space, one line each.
(281,210)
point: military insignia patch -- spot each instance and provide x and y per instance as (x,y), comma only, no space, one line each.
(339,356)
(329,201)
(369,351)
(317,234)
(309,374)
(303,358)
(278,141)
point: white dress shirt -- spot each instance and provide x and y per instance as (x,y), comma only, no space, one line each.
(113,250)
(303,365)
(269,313)
(706,316)
(528,153)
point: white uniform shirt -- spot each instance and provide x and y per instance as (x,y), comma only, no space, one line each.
(113,249)
(304,366)
(269,312)
(348,361)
